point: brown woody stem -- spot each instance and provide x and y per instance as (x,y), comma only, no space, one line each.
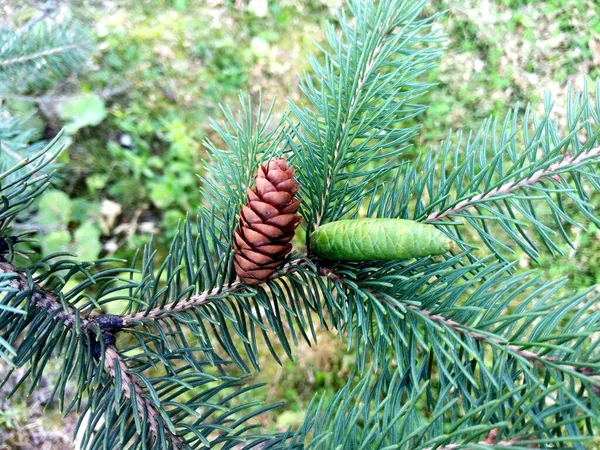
(48,302)
(203,298)
(41,298)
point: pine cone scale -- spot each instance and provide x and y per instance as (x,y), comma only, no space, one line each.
(278,199)
(284,221)
(267,223)
(257,257)
(292,208)
(254,239)
(288,185)
(264,210)
(250,216)
(248,264)
(269,231)
(252,197)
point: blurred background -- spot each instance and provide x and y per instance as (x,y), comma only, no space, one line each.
(141,82)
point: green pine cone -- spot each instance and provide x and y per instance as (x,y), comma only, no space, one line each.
(378,239)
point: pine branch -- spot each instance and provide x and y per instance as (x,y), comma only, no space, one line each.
(506,181)
(360,95)
(113,363)
(445,320)
(236,315)
(38,56)
(88,330)
(488,338)
(383,32)
(252,137)
(218,295)
(567,164)
(379,411)
(491,441)
(48,302)
(41,298)
(198,300)
(495,341)
(195,301)
(47,52)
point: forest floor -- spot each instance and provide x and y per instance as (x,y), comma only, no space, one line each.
(166,65)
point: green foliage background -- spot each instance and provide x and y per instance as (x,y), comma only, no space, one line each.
(160,70)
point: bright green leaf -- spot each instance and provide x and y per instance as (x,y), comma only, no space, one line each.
(54,209)
(82,111)
(87,242)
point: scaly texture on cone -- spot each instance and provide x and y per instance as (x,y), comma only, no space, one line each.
(267,223)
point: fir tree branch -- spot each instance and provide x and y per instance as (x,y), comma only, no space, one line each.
(453,325)
(41,298)
(366,90)
(195,301)
(48,302)
(113,363)
(360,83)
(48,52)
(365,87)
(512,186)
(490,441)
(41,56)
(494,341)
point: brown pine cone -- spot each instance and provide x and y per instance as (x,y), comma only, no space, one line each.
(267,223)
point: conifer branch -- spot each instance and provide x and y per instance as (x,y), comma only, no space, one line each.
(360,104)
(489,441)
(372,58)
(10,152)
(36,57)
(461,329)
(49,303)
(365,87)
(48,52)
(114,362)
(41,298)
(511,186)
(491,340)
(195,301)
